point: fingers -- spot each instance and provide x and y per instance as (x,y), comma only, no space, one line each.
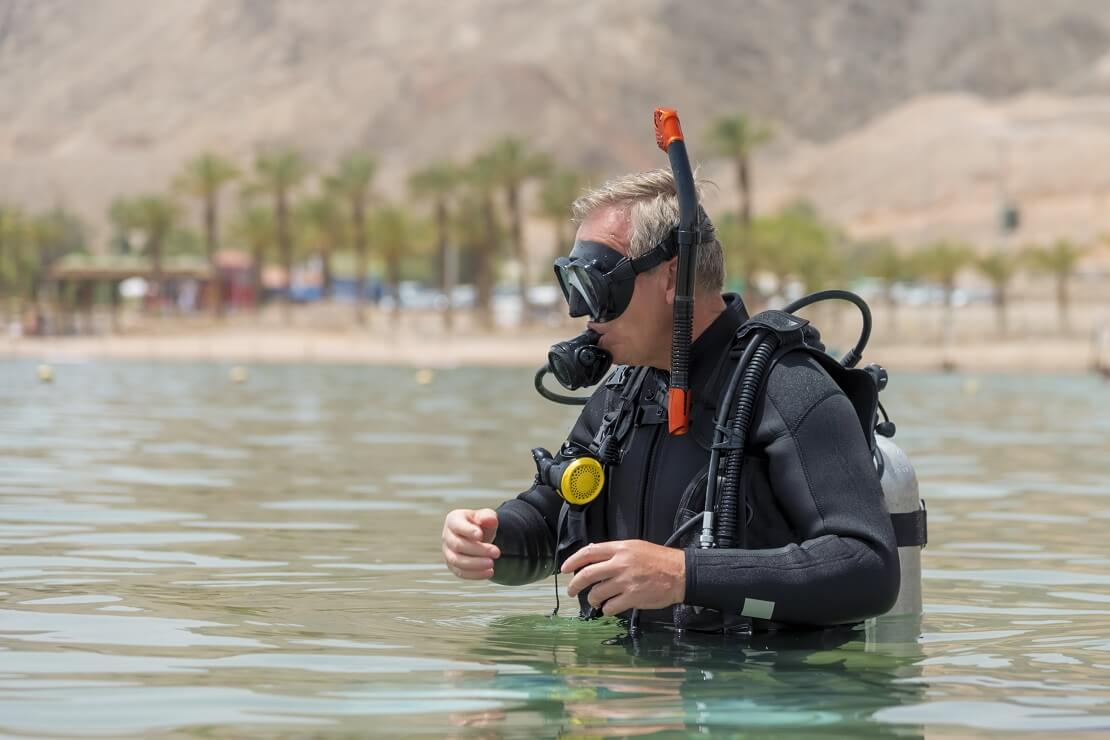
(460,521)
(465,566)
(466,555)
(486,519)
(603,591)
(470,547)
(594,553)
(617,604)
(590,575)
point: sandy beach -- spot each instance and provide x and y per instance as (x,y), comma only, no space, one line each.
(911,341)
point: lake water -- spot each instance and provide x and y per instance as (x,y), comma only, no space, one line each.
(184,556)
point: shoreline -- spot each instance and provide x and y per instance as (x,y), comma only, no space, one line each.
(517,348)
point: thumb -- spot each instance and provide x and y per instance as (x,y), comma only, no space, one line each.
(487,520)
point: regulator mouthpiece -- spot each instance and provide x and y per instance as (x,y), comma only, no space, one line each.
(579,362)
(578,481)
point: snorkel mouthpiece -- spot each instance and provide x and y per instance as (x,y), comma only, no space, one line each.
(579,362)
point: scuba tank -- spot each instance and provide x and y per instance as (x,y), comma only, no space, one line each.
(900,490)
(907,509)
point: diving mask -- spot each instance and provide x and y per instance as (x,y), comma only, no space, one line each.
(597,280)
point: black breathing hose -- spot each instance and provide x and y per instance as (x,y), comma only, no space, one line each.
(731,507)
(720,437)
(724,530)
(853,356)
(553,396)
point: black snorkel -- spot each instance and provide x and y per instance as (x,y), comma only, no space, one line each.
(668,135)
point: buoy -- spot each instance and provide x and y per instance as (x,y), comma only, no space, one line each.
(46,373)
(239,374)
(425,376)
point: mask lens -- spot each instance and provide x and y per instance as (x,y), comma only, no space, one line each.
(578,278)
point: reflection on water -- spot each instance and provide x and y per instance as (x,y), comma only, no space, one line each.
(183,555)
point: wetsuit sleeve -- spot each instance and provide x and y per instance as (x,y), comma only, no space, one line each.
(527,526)
(845,566)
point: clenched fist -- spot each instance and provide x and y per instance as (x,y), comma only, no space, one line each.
(467,535)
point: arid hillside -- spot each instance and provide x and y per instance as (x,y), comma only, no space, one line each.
(900,117)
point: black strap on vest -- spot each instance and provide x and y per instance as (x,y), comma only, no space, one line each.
(911,528)
(617,421)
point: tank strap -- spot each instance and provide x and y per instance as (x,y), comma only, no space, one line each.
(911,528)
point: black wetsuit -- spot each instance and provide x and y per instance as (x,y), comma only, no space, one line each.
(820,547)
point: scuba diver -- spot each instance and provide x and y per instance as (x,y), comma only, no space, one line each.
(724,475)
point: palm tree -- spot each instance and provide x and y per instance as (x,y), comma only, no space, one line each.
(512,166)
(782,243)
(352,183)
(884,261)
(121,213)
(393,229)
(999,268)
(745,262)
(49,237)
(324,231)
(559,191)
(437,183)
(255,227)
(1060,260)
(943,261)
(485,232)
(735,138)
(155,216)
(203,177)
(279,171)
(12,235)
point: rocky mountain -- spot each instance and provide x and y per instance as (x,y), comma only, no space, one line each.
(889,112)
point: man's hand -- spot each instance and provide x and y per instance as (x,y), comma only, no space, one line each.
(466,537)
(628,574)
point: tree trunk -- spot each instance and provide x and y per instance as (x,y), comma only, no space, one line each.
(1062,301)
(1000,308)
(483,268)
(256,277)
(892,307)
(743,177)
(948,314)
(154,246)
(443,257)
(562,240)
(3,283)
(517,229)
(285,245)
(115,301)
(358,215)
(393,272)
(215,284)
(325,268)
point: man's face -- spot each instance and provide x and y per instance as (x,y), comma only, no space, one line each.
(642,334)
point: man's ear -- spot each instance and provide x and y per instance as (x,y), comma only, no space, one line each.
(672,280)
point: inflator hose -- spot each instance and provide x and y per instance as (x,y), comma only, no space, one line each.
(720,437)
(730,509)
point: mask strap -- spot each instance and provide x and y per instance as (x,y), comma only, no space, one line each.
(665,250)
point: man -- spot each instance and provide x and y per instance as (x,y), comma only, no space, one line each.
(819,544)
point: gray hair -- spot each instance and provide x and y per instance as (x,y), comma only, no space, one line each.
(652,204)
